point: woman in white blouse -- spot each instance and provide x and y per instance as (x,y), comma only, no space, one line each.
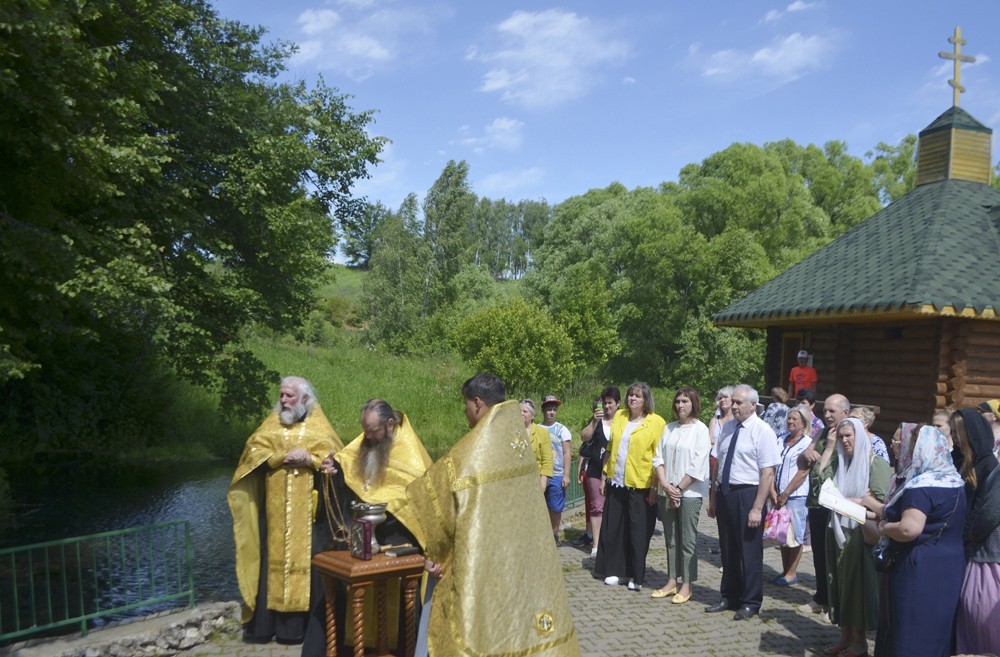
(681,465)
(790,487)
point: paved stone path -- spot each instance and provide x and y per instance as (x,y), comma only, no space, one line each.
(616,622)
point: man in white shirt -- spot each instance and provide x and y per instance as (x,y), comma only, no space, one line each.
(561,438)
(747,453)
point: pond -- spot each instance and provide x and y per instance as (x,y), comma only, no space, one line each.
(58,501)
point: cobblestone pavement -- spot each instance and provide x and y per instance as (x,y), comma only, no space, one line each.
(616,622)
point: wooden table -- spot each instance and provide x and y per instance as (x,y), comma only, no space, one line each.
(359,576)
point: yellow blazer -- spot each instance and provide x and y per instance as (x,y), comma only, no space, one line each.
(641,448)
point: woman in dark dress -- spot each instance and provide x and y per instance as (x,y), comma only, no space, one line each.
(923,521)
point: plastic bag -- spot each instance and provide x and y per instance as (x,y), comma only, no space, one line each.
(777,525)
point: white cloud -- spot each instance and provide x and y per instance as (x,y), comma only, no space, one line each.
(628,80)
(502,133)
(797,6)
(508,182)
(784,60)
(314,21)
(548,57)
(308,50)
(363,37)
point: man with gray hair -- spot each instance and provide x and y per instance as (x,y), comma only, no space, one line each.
(836,407)
(747,454)
(270,498)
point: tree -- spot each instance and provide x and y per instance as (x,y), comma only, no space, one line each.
(447,215)
(359,234)
(519,343)
(895,168)
(393,289)
(162,192)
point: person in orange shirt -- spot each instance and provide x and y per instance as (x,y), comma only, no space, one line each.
(802,375)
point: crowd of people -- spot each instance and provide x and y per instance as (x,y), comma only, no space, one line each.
(909,546)
(913,554)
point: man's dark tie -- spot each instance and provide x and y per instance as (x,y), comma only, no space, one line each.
(727,467)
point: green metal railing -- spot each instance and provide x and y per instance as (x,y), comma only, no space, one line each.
(49,585)
(574,494)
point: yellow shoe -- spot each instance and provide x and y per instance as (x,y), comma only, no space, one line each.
(680,599)
(662,593)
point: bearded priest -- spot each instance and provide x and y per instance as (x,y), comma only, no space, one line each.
(273,502)
(376,468)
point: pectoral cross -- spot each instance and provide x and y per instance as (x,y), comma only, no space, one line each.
(957,57)
(519,443)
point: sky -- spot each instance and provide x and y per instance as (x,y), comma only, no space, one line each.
(547,101)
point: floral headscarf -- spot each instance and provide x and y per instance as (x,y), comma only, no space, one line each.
(852,475)
(931,465)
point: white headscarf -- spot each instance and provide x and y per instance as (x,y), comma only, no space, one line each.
(852,476)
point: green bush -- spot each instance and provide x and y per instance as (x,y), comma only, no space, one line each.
(520,343)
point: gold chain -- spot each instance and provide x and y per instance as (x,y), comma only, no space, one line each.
(334,512)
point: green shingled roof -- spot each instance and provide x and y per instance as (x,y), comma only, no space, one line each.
(955,117)
(937,248)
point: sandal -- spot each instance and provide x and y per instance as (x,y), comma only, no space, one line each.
(835,650)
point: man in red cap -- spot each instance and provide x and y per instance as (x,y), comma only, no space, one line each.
(561,438)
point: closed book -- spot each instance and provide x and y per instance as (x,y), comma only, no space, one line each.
(361,539)
(401,551)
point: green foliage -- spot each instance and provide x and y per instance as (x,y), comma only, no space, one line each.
(162,191)
(394,289)
(447,211)
(895,168)
(360,232)
(520,343)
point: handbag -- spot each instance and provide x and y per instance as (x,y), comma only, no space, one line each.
(885,555)
(587,449)
(776,525)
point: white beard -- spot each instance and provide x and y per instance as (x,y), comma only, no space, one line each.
(293,414)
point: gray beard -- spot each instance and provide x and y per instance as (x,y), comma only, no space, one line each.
(373,459)
(289,416)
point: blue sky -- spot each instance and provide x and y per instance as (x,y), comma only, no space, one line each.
(550,100)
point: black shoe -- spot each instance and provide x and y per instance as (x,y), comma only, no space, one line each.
(745,612)
(715,550)
(584,541)
(721,605)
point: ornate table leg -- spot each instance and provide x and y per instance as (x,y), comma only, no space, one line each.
(383,638)
(331,620)
(358,615)
(410,609)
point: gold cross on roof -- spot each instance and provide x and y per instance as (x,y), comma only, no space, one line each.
(957,57)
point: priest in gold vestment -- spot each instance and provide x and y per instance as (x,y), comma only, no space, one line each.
(375,467)
(486,533)
(272,501)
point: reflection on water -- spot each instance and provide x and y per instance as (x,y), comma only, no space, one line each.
(67,500)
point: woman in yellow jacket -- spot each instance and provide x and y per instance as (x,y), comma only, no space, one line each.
(630,500)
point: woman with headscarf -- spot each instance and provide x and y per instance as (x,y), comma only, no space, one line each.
(902,452)
(629,498)
(923,520)
(978,622)
(853,590)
